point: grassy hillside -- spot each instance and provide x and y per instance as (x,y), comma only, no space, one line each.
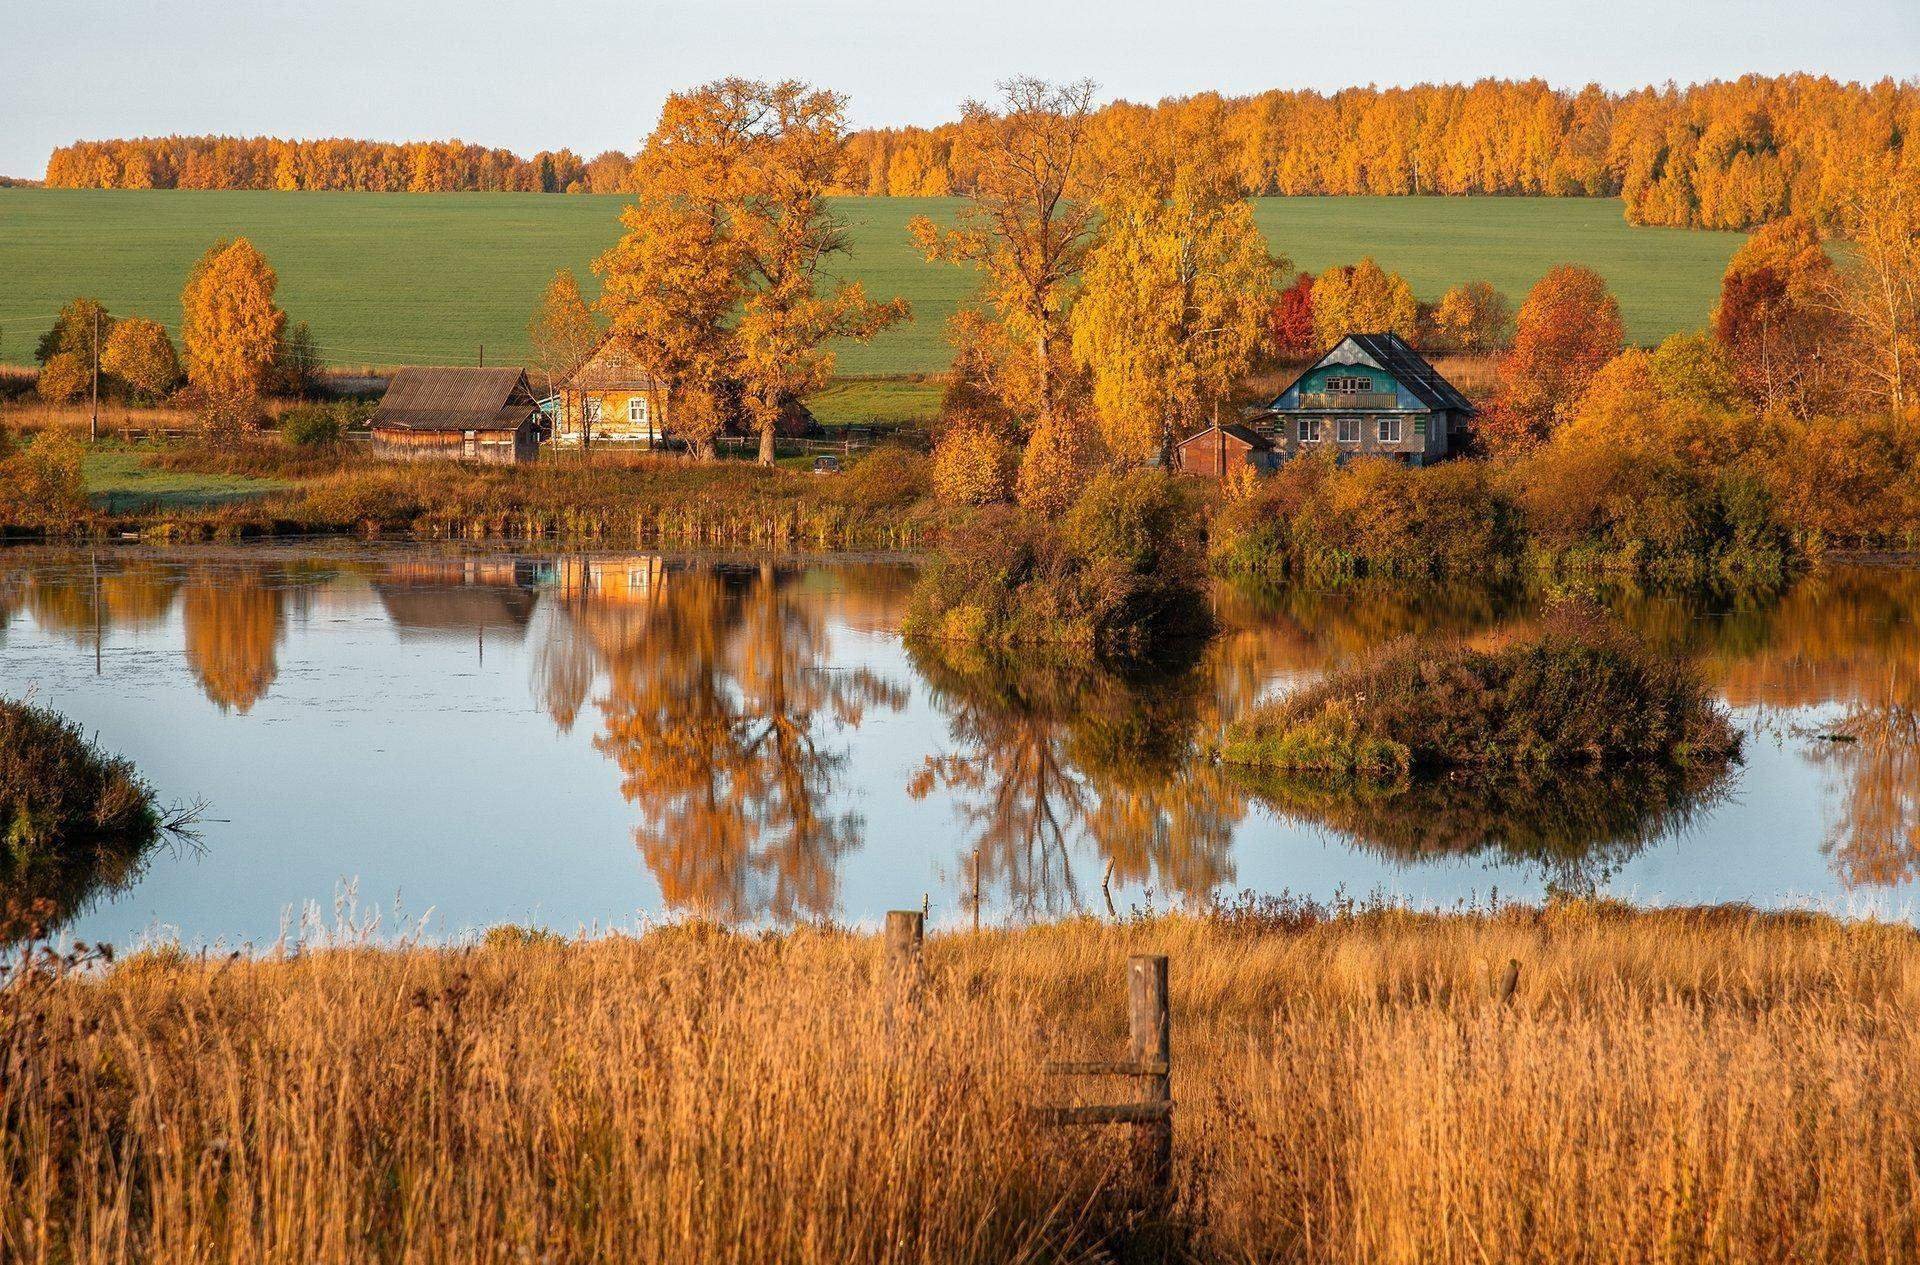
(423,279)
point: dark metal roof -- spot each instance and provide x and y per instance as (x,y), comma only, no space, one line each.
(1409,367)
(455,399)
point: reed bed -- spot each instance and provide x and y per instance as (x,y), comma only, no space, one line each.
(1687,1086)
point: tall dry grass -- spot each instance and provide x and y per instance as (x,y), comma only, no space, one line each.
(1667,1087)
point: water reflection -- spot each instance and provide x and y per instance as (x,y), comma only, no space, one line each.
(730,697)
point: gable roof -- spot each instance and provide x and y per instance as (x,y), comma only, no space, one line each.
(613,366)
(1390,353)
(455,399)
(1245,434)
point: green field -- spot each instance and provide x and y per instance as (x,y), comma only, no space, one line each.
(390,279)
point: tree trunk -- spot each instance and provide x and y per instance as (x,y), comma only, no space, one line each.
(768,427)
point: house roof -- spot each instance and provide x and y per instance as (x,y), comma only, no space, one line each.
(1245,434)
(614,366)
(455,399)
(1391,354)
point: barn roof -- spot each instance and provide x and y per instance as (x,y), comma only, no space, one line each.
(455,399)
(1390,353)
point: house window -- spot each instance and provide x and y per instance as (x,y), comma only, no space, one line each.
(636,410)
(1348,430)
(1349,383)
(1309,430)
(1389,430)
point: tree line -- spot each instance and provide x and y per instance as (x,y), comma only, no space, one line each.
(1716,155)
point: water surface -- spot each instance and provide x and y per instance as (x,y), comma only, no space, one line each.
(452,739)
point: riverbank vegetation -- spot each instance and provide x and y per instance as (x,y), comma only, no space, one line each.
(1349,1085)
(1581,692)
(73,819)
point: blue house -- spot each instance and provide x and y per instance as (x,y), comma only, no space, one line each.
(1371,394)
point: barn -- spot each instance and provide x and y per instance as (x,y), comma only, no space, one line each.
(467,414)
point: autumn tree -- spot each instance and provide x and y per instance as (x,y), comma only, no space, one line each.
(1775,318)
(1028,219)
(1175,294)
(81,330)
(1878,297)
(1567,329)
(722,270)
(64,378)
(140,354)
(231,329)
(1472,317)
(562,330)
(1290,331)
(1363,298)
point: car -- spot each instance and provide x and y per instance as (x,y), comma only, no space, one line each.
(827,464)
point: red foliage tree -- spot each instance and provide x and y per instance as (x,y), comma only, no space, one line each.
(1569,326)
(1290,321)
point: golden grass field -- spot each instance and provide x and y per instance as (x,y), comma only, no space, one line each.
(1683,1086)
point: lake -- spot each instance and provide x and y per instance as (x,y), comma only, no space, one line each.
(431,740)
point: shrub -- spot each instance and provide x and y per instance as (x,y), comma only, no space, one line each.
(1582,692)
(891,477)
(140,354)
(1118,572)
(41,485)
(312,426)
(973,465)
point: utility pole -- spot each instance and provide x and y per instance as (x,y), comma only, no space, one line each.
(483,355)
(93,426)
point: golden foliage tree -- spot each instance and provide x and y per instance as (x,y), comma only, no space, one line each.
(1879,297)
(1363,298)
(722,267)
(1028,218)
(140,353)
(973,465)
(1472,317)
(562,330)
(64,378)
(1775,318)
(231,329)
(1173,302)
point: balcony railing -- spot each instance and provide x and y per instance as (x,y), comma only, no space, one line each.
(1341,400)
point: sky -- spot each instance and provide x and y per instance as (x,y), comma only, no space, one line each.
(590,75)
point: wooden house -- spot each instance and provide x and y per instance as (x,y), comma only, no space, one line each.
(1218,449)
(468,414)
(612,398)
(1371,394)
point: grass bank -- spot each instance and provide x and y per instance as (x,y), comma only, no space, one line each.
(1678,1086)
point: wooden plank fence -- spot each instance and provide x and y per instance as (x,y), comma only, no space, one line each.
(1149,1047)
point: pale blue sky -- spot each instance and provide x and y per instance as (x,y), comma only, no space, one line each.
(591,74)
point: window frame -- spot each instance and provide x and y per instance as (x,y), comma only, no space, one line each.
(1388,422)
(1309,430)
(639,412)
(1340,430)
(1348,384)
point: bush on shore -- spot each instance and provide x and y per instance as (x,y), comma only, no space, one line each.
(1582,692)
(41,486)
(1118,572)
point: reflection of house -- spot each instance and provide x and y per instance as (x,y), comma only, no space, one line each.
(1218,449)
(612,398)
(630,579)
(460,595)
(1371,394)
(475,414)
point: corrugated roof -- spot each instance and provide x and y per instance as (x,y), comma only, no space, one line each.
(1392,353)
(455,399)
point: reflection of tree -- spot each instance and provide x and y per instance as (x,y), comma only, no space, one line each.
(1578,825)
(42,891)
(232,620)
(1875,839)
(1043,752)
(83,598)
(718,695)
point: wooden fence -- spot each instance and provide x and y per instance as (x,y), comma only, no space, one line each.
(1149,1047)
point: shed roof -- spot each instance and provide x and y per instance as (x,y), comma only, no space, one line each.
(1391,353)
(455,399)
(1245,434)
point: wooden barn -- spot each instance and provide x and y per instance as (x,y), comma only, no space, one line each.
(1218,449)
(464,414)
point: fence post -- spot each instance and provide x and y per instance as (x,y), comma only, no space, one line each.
(906,932)
(1150,1043)
(1510,982)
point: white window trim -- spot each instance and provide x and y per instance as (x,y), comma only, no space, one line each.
(1309,430)
(1389,430)
(1341,428)
(637,410)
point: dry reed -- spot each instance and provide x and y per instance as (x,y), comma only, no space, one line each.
(1711,1085)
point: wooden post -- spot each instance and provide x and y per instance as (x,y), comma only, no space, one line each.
(906,931)
(1509,982)
(1149,1044)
